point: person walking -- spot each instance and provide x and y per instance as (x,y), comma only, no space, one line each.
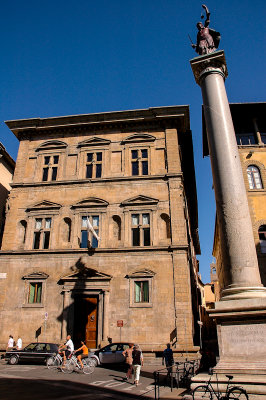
(19,343)
(137,363)
(168,358)
(10,343)
(129,360)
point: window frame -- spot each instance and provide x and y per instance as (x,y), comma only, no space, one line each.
(252,178)
(35,278)
(94,163)
(42,232)
(141,228)
(141,276)
(262,241)
(91,238)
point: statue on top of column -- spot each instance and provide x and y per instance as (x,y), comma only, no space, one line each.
(207,39)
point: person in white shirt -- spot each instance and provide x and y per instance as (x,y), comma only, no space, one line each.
(10,343)
(19,343)
(67,348)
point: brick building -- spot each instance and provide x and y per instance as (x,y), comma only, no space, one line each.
(102,227)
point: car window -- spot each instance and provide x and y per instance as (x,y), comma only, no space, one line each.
(30,347)
(120,347)
(40,347)
(111,347)
(48,347)
(126,346)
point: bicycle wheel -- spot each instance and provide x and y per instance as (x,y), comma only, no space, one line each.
(52,363)
(237,393)
(88,368)
(202,392)
(67,367)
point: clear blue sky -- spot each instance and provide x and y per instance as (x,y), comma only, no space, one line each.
(77,57)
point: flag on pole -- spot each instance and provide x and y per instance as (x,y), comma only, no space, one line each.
(91,229)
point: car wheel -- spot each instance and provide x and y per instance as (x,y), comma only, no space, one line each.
(13,360)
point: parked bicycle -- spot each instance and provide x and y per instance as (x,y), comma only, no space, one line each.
(72,364)
(207,392)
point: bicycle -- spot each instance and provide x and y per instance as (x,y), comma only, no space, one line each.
(54,362)
(72,364)
(207,391)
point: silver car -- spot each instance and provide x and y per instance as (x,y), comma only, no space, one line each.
(110,354)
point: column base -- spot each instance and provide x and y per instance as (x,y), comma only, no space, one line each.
(241,329)
(247,292)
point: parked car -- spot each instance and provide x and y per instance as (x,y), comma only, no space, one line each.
(34,352)
(110,354)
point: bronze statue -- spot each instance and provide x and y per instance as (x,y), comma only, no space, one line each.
(207,39)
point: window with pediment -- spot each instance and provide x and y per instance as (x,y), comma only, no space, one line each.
(138,153)
(90,216)
(141,288)
(40,225)
(35,285)
(140,212)
(92,157)
(50,155)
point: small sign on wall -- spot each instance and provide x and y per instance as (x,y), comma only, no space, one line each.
(120,323)
(3,275)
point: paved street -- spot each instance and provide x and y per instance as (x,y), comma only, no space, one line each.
(24,382)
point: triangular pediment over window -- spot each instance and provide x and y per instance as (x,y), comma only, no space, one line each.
(142,273)
(139,138)
(52,144)
(91,202)
(44,205)
(36,275)
(86,273)
(94,141)
(139,200)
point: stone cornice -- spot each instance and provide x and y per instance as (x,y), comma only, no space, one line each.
(98,251)
(155,116)
(96,181)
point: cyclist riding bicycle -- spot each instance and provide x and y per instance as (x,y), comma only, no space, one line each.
(82,352)
(67,348)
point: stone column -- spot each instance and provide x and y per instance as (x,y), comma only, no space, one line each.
(105,315)
(239,258)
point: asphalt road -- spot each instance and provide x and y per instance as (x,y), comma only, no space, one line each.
(24,382)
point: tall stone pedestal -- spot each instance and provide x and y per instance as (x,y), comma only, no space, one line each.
(241,313)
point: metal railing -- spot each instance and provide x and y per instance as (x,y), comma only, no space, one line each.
(177,375)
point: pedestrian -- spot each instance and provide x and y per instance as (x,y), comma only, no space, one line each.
(137,362)
(19,343)
(10,343)
(168,359)
(129,360)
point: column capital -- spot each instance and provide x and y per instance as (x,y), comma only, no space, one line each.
(209,64)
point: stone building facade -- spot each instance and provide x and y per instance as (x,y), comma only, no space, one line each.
(7,167)
(250,128)
(102,230)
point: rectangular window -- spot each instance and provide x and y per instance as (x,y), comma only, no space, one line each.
(35,292)
(139,162)
(245,139)
(94,165)
(89,231)
(141,291)
(140,228)
(41,238)
(50,168)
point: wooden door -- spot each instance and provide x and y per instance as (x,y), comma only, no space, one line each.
(85,321)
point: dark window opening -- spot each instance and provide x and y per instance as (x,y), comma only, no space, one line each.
(37,238)
(135,236)
(54,173)
(45,174)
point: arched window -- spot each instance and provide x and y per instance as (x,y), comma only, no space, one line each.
(22,231)
(167,228)
(262,237)
(254,178)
